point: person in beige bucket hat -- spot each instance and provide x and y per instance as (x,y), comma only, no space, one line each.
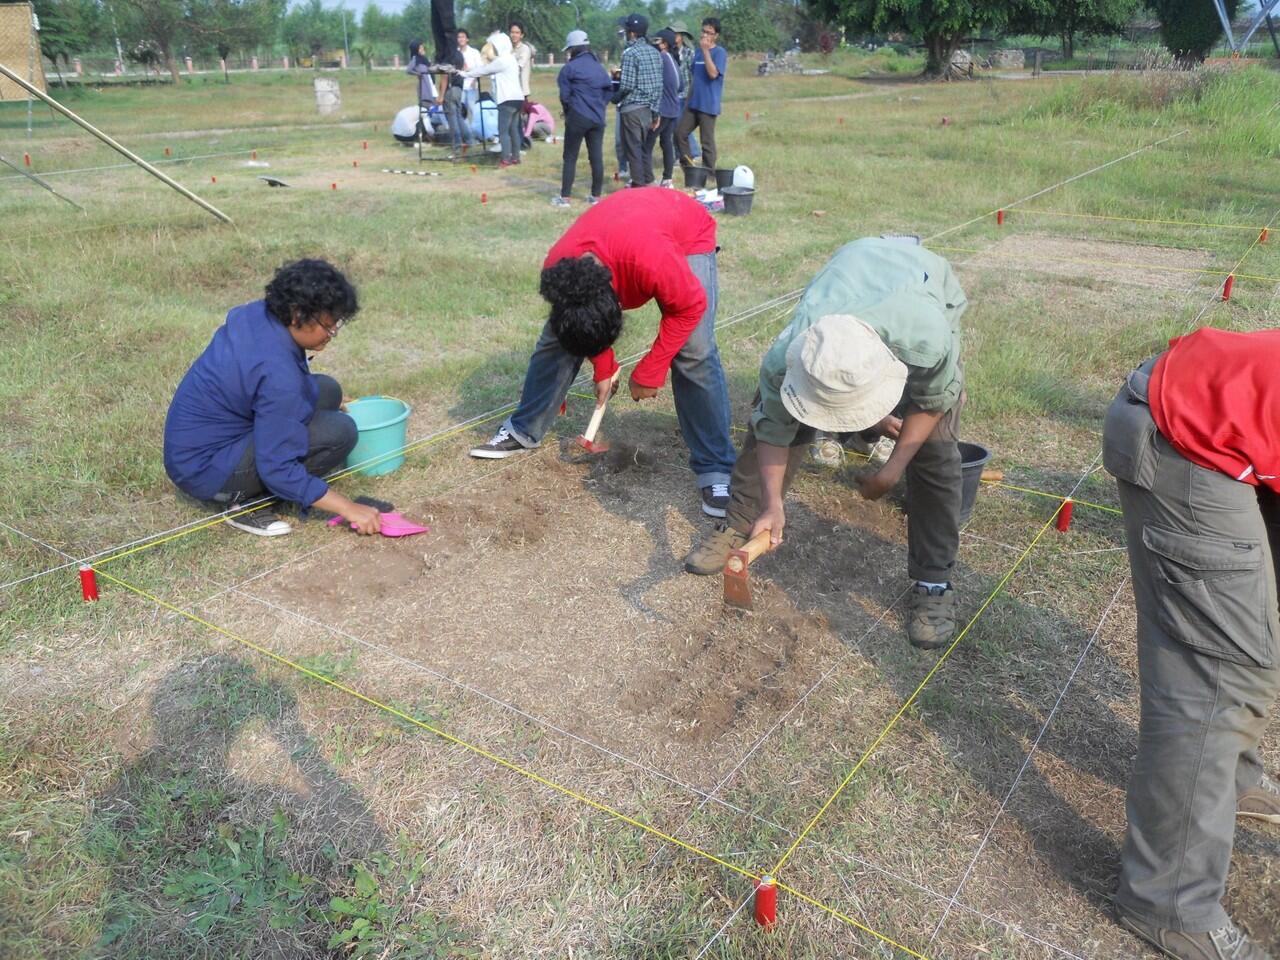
(873,347)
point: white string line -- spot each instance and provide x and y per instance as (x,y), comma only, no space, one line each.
(1026,763)
(124,166)
(724,926)
(36,540)
(839,662)
(775,303)
(646,768)
(1061,183)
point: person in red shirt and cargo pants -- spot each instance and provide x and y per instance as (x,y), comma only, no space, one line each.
(1193,440)
(632,247)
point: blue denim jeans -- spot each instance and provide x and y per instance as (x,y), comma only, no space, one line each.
(697,383)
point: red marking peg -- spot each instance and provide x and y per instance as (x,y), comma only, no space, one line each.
(364,144)
(841,120)
(999,218)
(946,121)
(1262,237)
(564,407)
(1226,287)
(88,583)
(484,199)
(213,179)
(355,163)
(1063,520)
(253,154)
(26,159)
(167,152)
(473,168)
(748,116)
(615,176)
(333,186)
(464,148)
(766,902)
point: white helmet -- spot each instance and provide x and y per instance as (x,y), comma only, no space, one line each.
(743,177)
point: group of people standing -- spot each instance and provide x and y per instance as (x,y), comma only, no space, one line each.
(665,89)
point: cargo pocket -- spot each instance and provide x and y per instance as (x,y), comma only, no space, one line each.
(1212,595)
(1128,442)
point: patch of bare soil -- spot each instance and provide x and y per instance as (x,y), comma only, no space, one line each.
(1104,261)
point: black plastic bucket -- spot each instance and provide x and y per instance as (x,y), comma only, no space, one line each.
(737,200)
(695,177)
(724,177)
(973,458)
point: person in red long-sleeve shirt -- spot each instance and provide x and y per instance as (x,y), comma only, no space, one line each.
(1193,440)
(633,247)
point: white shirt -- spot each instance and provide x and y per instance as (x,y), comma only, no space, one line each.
(470,60)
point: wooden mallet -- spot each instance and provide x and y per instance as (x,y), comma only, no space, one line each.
(587,441)
(737,581)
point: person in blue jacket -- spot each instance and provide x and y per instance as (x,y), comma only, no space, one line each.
(585,89)
(249,418)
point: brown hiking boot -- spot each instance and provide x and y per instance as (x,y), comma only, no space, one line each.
(1260,803)
(931,618)
(710,555)
(1225,943)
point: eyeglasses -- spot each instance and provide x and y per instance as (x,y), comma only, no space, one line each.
(708,32)
(332,331)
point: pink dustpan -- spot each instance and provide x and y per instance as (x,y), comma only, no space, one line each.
(393,525)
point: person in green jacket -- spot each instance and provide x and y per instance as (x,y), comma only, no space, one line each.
(874,345)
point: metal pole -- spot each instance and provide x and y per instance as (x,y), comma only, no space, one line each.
(1272,30)
(1226,24)
(346,50)
(32,177)
(118,147)
(31,63)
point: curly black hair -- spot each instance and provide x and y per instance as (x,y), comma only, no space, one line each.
(585,314)
(305,289)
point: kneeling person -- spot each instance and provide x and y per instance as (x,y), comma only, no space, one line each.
(250,418)
(874,343)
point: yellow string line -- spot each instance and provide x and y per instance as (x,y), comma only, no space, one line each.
(1256,240)
(1053,496)
(1130,263)
(847,919)
(500,761)
(1176,223)
(906,705)
(456,741)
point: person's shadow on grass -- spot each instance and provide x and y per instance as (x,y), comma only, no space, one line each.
(215,834)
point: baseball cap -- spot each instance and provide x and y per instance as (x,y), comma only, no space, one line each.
(841,376)
(667,34)
(636,23)
(576,38)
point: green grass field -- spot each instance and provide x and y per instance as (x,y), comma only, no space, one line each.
(168,791)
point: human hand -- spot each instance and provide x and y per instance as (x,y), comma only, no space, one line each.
(657,122)
(640,392)
(706,43)
(364,518)
(773,519)
(878,484)
(889,427)
(605,389)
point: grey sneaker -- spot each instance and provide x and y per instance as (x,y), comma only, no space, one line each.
(931,620)
(592,201)
(562,202)
(501,446)
(715,499)
(1225,943)
(709,556)
(1260,803)
(261,523)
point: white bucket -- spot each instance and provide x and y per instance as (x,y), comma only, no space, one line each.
(328,97)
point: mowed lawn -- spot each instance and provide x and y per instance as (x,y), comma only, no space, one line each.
(167,789)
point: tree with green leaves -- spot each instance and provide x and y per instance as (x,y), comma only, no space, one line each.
(310,28)
(229,25)
(545,21)
(67,27)
(161,24)
(378,28)
(1069,19)
(943,25)
(746,25)
(1190,28)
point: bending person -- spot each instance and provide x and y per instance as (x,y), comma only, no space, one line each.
(632,247)
(874,343)
(1192,441)
(249,418)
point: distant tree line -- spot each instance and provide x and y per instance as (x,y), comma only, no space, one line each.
(157,32)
